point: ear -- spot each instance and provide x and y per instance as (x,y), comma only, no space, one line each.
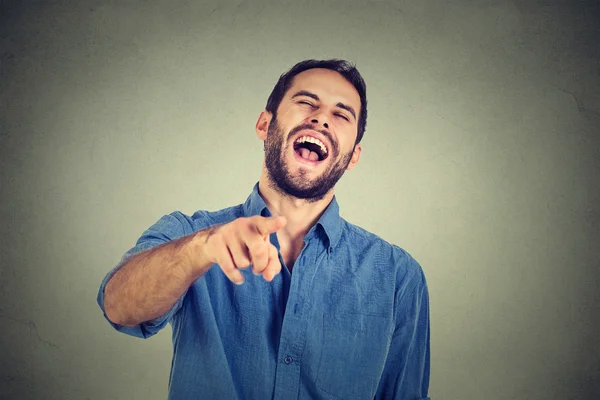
(355,157)
(262,125)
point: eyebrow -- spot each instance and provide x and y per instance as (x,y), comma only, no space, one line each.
(316,98)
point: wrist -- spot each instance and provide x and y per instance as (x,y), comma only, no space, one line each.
(196,251)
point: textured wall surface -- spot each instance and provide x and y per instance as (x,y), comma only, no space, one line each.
(481,158)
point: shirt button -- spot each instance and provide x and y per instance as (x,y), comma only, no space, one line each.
(288,360)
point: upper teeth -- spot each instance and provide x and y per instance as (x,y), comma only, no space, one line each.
(313,140)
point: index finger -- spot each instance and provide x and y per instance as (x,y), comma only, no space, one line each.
(268,225)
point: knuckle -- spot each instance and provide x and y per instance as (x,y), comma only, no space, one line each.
(257,249)
(242,262)
(259,254)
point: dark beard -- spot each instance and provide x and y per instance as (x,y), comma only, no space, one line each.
(298,186)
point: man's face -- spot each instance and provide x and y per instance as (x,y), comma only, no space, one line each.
(310,144)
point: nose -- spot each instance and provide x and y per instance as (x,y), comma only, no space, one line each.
(316,121)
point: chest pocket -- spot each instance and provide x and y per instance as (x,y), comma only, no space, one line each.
(353,353)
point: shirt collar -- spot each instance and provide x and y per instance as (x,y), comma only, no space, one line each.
(330,221)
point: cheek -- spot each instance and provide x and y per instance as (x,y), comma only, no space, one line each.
(346,143)
(298,117)
(349,150)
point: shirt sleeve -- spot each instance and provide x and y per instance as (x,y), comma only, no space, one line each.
(167,228)
(406,372)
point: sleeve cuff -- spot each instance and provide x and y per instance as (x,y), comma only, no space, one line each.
(145,329)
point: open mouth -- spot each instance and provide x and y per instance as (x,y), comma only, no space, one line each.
(310,149)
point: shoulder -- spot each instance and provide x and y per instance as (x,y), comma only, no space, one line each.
(381,253)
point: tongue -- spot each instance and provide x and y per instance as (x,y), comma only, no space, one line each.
(309,155)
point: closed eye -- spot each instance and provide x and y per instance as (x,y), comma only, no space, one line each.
(311,105)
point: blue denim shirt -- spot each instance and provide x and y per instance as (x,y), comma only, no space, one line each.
(351,322)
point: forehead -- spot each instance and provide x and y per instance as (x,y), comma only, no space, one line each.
(328,85)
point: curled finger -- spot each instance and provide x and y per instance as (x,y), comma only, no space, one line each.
(228,267)
(273,266)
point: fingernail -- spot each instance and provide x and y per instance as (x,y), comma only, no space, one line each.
(238,282)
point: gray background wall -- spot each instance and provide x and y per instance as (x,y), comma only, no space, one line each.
(481,158)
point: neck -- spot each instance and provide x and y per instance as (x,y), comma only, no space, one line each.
(301,215)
